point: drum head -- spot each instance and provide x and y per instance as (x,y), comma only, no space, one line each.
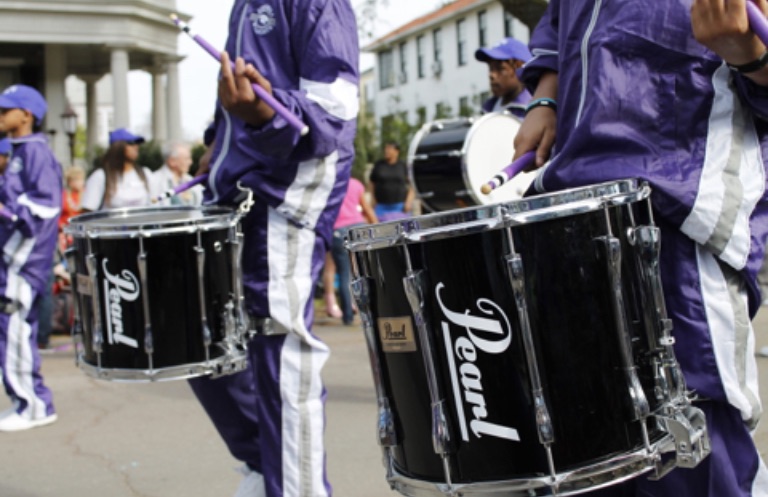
(150,220)
(489,148)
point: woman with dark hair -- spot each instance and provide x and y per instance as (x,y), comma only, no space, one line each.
(120,182)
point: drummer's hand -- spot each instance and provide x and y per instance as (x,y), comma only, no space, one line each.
(723,27)
(537,132)
(237,96)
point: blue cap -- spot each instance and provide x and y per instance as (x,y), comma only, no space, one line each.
(508,48)
(5,146)
(24,97)
(123,135)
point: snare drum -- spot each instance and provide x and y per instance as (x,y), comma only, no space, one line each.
(542,363)
(450,160)
(157,293)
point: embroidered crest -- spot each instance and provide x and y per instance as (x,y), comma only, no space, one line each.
(263,20)
(15,166)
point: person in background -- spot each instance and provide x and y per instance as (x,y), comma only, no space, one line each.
(74,184)
(355,210)
(504,61)
(272,414)
(31,197)
(120,182)
(674,94)
(175,171)
(391,191)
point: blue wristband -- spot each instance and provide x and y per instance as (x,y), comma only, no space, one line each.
(541,102)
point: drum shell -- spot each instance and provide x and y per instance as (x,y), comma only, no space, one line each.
(568,302)
(172,287)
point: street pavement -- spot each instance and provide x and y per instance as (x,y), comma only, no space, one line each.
(154,440)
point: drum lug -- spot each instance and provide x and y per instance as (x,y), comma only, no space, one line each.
(241,322)
(98,336)
(77,328)
(612,252)
(414,284)
(546,431)
(200,255)
(387,433)
(646,241)
(688,427)
(149,345)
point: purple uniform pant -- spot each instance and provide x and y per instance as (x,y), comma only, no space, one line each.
(20,359)
(271,416)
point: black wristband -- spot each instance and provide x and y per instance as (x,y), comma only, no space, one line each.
(753,66)
(541,102)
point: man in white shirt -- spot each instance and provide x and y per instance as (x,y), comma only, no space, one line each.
(175,171)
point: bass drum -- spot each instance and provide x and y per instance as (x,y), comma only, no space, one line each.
(450,160)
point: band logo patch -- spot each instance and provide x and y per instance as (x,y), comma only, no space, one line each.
(485,331)
(397,334)
(263,20)
(117,289)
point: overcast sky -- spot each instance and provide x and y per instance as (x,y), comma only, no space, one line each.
(198,71)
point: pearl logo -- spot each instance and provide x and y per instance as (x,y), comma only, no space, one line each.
(489,332)
(119,288)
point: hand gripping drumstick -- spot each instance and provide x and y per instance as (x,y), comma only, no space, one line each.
(509,172)
(263,94)
(757,22)
(181,188)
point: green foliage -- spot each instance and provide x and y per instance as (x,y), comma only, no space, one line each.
(396,128)
(197,152)
(151,155)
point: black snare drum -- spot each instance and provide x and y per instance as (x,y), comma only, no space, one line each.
(523,347)
(158,293)
(450,160)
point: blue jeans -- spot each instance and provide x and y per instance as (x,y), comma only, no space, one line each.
(341,259)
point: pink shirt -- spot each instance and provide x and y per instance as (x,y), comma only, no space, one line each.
(351,212)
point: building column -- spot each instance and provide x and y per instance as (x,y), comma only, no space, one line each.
(55,95)
(92,113)
(175,130)
(120,65)
(159,103)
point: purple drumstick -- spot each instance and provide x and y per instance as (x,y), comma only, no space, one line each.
(509,172)
(263,94)
(6,214)
(182,187)
(757,22)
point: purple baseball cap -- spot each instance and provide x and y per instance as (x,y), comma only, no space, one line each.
(508,48)
(123,135)
(24,97)
(5,146)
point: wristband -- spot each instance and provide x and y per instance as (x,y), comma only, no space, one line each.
(541,102)
(753,66)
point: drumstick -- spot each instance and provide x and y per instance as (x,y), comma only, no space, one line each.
(509,172)
(181,188)
(263,94)
(5,213)
(757,22)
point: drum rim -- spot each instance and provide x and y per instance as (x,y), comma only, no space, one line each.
(87,225)
(547,206)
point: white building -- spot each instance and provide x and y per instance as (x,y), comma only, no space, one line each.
(43,42)
(426,69)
